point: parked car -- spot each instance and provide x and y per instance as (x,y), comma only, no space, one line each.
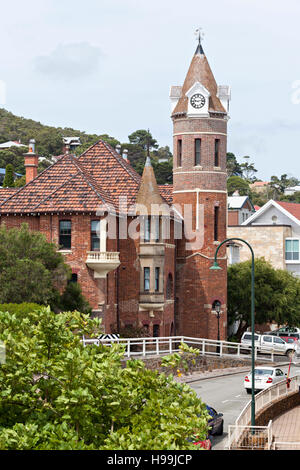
(290,331)
(289,339)
(216,423)
(264,377)
(270,343)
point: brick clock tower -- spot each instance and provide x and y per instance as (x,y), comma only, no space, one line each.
(200,115)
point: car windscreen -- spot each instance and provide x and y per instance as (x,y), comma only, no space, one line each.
(249,336)
(263,371)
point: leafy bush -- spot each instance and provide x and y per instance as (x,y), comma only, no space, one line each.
(57,394)
(20,310)
(72,299)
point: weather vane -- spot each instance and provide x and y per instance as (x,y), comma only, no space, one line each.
(199,35)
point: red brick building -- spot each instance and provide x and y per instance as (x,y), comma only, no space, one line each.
(142,252)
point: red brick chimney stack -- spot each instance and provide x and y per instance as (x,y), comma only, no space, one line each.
(31,162)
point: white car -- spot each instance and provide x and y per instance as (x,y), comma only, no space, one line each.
(264,377)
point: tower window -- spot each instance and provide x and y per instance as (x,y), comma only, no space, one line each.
(217,151)
(146,279)
(179,152)
(147,229)
(170,286)
(216,223)
(157,272)
(156,221)
(65,234)
(197,152)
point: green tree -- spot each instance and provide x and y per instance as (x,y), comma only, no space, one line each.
(277,295)
(291,198)
(236,183)
(143,139)
(31,269)
(278,185)
(9,180)
(56,394)
(248,170)
(233,167)
(13,156)
(72,299)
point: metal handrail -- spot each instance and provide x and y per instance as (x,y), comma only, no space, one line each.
(156,346)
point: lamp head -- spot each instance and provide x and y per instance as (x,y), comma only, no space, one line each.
(215,266)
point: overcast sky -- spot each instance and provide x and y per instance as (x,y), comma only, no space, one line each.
(106,66)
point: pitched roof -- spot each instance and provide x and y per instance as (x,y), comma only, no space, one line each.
(289,209)
(292,207)
(6,193)
(166,190)
(199,71)
(93,181)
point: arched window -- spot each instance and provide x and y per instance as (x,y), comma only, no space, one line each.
(169,286)
(216,306)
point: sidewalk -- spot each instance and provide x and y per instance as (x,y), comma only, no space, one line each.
(286,429)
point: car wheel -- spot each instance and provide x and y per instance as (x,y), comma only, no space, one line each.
(220,430)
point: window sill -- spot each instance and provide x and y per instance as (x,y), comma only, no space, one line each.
(65,252)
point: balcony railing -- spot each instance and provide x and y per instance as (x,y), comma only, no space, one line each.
(102,262)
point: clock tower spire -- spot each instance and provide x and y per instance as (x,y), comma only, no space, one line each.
(200,114)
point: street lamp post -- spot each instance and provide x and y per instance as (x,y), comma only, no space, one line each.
(217,310)
(217,267)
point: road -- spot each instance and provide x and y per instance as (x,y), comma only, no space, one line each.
(227,395)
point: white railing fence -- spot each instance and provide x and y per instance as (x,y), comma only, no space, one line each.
(264,398)
(250,437)
(170,344)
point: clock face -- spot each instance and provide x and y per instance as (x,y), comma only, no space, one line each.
(197,101)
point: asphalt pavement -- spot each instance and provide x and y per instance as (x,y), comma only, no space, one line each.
(224,391)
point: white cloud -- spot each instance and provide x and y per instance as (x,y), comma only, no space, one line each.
(70,61)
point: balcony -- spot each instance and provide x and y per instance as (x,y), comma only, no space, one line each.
(102,262)
(151,301)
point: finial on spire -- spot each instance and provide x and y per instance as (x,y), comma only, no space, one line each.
(199,36)
(148,160)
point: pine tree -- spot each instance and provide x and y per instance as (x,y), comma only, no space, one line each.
(9,181)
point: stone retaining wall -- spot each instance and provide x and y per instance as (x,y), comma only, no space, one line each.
(197,363)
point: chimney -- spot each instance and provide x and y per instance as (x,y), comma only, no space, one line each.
(125,155)
(118,148)
(31,162)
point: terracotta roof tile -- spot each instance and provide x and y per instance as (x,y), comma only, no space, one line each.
(5,193)
(95,180)
(292,207)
